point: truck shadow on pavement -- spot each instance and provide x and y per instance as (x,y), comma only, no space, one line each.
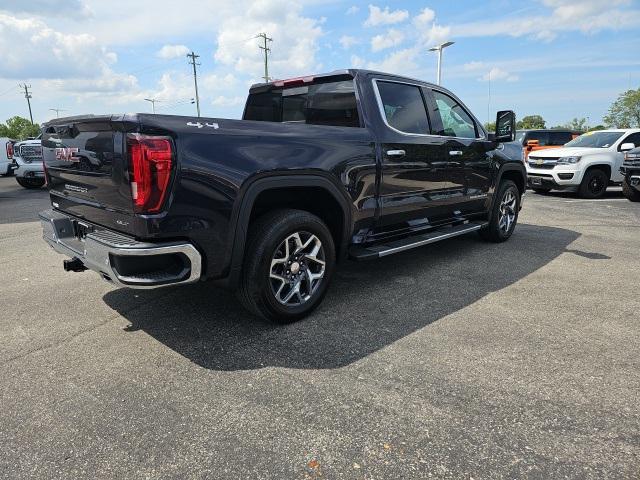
(369,306)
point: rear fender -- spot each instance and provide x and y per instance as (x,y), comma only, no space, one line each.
(248,195)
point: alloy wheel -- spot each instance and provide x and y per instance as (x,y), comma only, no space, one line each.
(508,206)
(297,268)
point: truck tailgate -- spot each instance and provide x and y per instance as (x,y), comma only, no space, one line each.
(87,171)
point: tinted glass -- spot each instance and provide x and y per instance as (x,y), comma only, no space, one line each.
(404,107)
(331,103)
(542,137)
(633,138)
(456,122)
(559,138)
(595,139)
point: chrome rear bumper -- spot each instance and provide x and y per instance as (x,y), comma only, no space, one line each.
(119,258)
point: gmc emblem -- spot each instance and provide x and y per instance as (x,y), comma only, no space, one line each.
(66,154)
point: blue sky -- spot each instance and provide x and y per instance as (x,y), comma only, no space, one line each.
(557,58)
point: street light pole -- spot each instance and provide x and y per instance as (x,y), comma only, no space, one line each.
(439,48)
(153,103)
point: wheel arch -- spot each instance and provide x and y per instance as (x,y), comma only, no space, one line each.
(272,187)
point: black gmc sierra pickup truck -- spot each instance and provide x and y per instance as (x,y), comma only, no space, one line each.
(351,164)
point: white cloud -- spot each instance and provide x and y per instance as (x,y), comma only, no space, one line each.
(295,39)
(497,73)
(391,38)
(586,16)
(401,61)
(38,51)
(222,101)
(47,8)
(348,41)
(377,16)
(425,17)
(172,51)
(352,10)
(357,62)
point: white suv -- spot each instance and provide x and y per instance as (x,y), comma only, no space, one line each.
(587,164)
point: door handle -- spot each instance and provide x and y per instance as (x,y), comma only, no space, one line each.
(396,153)
(455,153)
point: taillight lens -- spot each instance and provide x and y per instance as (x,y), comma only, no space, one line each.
(10,150)
(150,165)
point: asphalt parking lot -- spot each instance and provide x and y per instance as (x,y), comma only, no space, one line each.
(458,360)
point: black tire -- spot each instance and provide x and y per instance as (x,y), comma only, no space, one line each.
(266,240)
(541,191)
(594,184)
(496,231)
(629,192)
(30,182)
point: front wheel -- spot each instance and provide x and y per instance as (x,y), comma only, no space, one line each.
(629,192)
(30,182)
(288,265)
(594,184)
(504,213)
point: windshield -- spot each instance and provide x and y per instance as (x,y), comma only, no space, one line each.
(595,140)
(520,135)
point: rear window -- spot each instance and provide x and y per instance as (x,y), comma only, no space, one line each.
(559,138)
(329,103)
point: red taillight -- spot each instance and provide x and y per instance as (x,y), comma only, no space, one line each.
(150,163)
(10,150)
(292,82)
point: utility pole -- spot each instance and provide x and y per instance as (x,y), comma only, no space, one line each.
(153,104)
(267,51)
(193,57)
(27,95)
(439,48)
(57,110)
(489,100)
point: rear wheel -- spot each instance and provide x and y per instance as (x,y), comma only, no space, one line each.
(30,182)
(504,213)
(288,265)
(629,192)
(594,184)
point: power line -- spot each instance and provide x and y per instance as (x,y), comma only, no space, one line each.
(27,95)
(193,57)
(267,51)
(178,103)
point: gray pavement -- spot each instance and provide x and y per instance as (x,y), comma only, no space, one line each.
(458,360)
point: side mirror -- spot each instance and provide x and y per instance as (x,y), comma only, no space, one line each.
(625,147)
(505,127)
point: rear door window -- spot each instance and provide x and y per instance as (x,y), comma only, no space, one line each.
(328,103)
(404,107)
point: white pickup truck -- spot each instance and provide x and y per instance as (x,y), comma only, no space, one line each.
(587,164)
(6,156)
(29,169)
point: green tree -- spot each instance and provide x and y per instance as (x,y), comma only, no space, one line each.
(19,128)
(490,126)
(531,121)
(579,124)
(597,127)
(625,111)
